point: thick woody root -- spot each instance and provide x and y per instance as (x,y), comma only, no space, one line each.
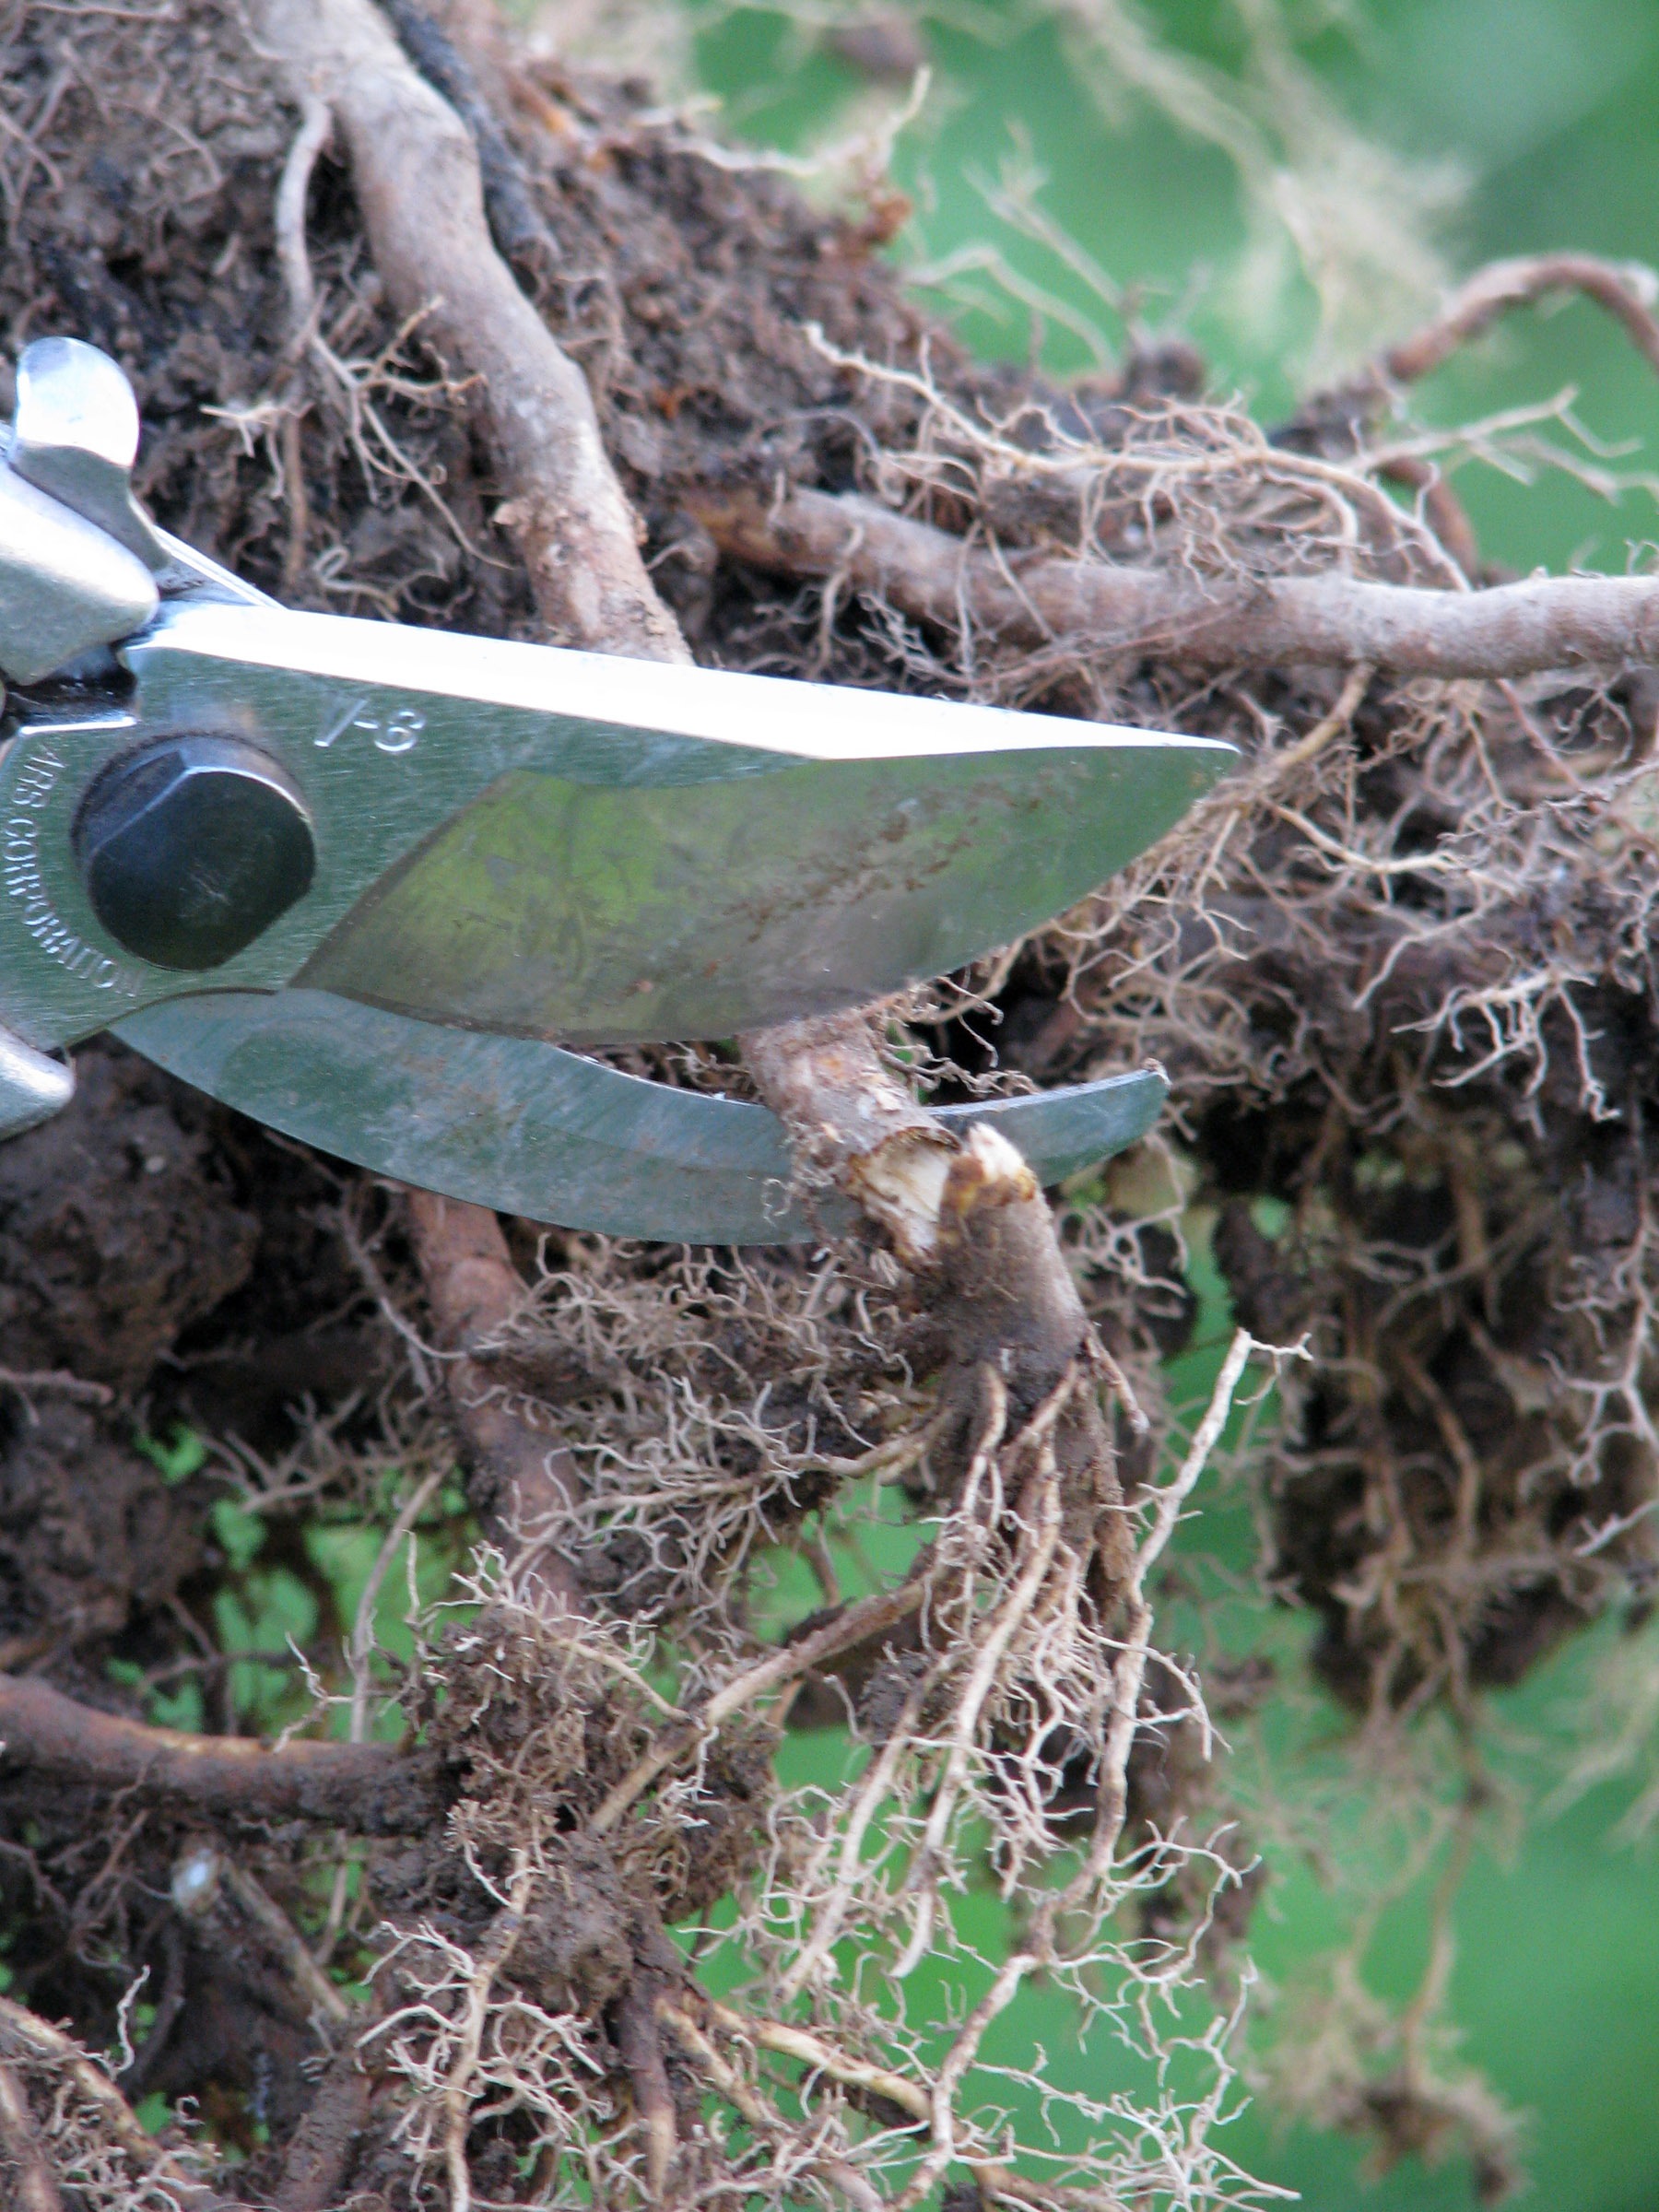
(366,1789)
(1020,1342)
(432,247)
(1207,605)
(518,1478)
(1045,602)
(854,1124)
(593,1922)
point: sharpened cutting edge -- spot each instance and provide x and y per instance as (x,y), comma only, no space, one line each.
(533,1130)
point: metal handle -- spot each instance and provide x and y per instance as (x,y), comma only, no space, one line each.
(32,1087)
(65,587)
(78,559)
(75,436)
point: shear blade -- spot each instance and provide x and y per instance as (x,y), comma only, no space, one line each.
(526,1128)
(557,844)
(613,916)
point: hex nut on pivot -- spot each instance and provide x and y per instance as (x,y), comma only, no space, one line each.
(190,847)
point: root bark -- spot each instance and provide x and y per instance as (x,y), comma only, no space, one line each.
(362,1789)
(1580,623)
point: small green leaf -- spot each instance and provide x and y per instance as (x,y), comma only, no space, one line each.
(239,1533)
(183,1455)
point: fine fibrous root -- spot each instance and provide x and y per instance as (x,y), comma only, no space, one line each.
(26,2042)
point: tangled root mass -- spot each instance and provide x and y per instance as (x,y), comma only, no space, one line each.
(1399,971)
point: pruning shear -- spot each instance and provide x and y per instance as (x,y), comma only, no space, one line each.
(355,878)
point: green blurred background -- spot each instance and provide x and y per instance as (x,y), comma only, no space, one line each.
(1534,122)
(1513,126)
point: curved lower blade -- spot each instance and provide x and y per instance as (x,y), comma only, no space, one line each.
(520,1125)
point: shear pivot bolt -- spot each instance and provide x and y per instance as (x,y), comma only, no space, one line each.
(190,847)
